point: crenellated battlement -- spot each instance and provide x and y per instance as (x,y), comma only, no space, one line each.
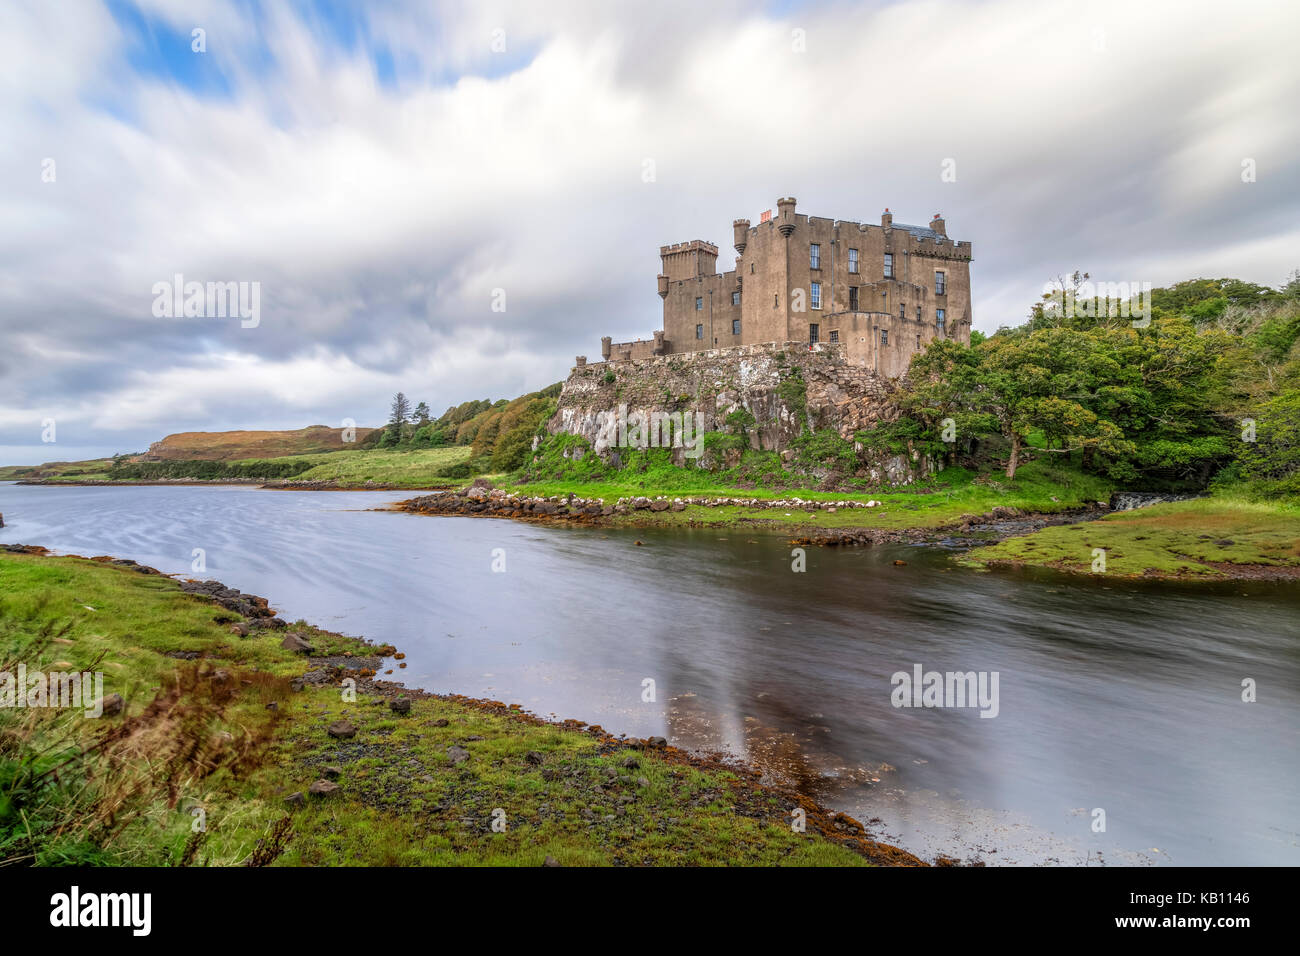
(882,291)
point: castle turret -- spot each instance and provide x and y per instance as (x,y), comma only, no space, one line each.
(686,260)
(606,347)
(663,286)
(937,224)
(887,220)
(785,216)
(740,235)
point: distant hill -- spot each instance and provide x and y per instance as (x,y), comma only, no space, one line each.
(232,446)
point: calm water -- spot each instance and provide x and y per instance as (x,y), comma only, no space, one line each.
(1113,695)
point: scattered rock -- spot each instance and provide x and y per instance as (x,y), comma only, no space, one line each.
(295,799)
(550,861)
(457,755)
(113,705)
(402,705)
(333,773)
(533,757)
(322,788)
(342,730)
(294,641)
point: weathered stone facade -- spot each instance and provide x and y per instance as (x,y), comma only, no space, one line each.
(882,292)
(787,388)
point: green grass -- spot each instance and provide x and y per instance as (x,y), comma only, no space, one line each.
(1178,539)
(414,468)
(406,468)
(944,499)
(227,734)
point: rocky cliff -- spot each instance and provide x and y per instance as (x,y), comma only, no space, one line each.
(777,391)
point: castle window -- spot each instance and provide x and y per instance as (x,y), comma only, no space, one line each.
(939,285)
(938,316)
(884,336)
(815,256)
(918,313)
(699,303)
(735,326)
(699,331)
(918,341)
(735,298)
(835,335)
(902,310)
(853,262)
(889,265)
(853,298)
(813,331)
(815,295)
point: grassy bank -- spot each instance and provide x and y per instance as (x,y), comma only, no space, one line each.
(1206,538)
(1039,487)
(394,468)
(215,735)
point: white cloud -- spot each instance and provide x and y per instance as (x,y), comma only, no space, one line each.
(379,218)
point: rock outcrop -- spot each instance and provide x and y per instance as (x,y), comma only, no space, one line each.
(778,391)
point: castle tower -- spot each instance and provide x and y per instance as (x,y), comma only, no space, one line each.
(785,216)
(686,260)
(740,235)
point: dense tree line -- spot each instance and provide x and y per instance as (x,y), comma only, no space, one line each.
(500,433)
(1209,389)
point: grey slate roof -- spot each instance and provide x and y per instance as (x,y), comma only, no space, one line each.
(921,232)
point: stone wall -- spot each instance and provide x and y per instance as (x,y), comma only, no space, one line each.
(717,382)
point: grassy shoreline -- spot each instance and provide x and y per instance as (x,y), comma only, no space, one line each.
(1210,539)
(223,724)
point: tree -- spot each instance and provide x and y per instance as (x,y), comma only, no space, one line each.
(399,413)
(421,414)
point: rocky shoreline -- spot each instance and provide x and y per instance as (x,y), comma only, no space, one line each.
(481,500)
(753,793)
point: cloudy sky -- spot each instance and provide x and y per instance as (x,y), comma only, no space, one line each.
(381,168)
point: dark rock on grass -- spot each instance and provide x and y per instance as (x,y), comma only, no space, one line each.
(441,722)
(322,788)
(342,730)
(656,743)
(550,861)
(402,705)
(295,799)
(475,737)
(533,757)
(631,762)
(113,705)
(457,755)
(332,772)
(294,641)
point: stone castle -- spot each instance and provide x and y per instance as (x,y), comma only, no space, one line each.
(876,294)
